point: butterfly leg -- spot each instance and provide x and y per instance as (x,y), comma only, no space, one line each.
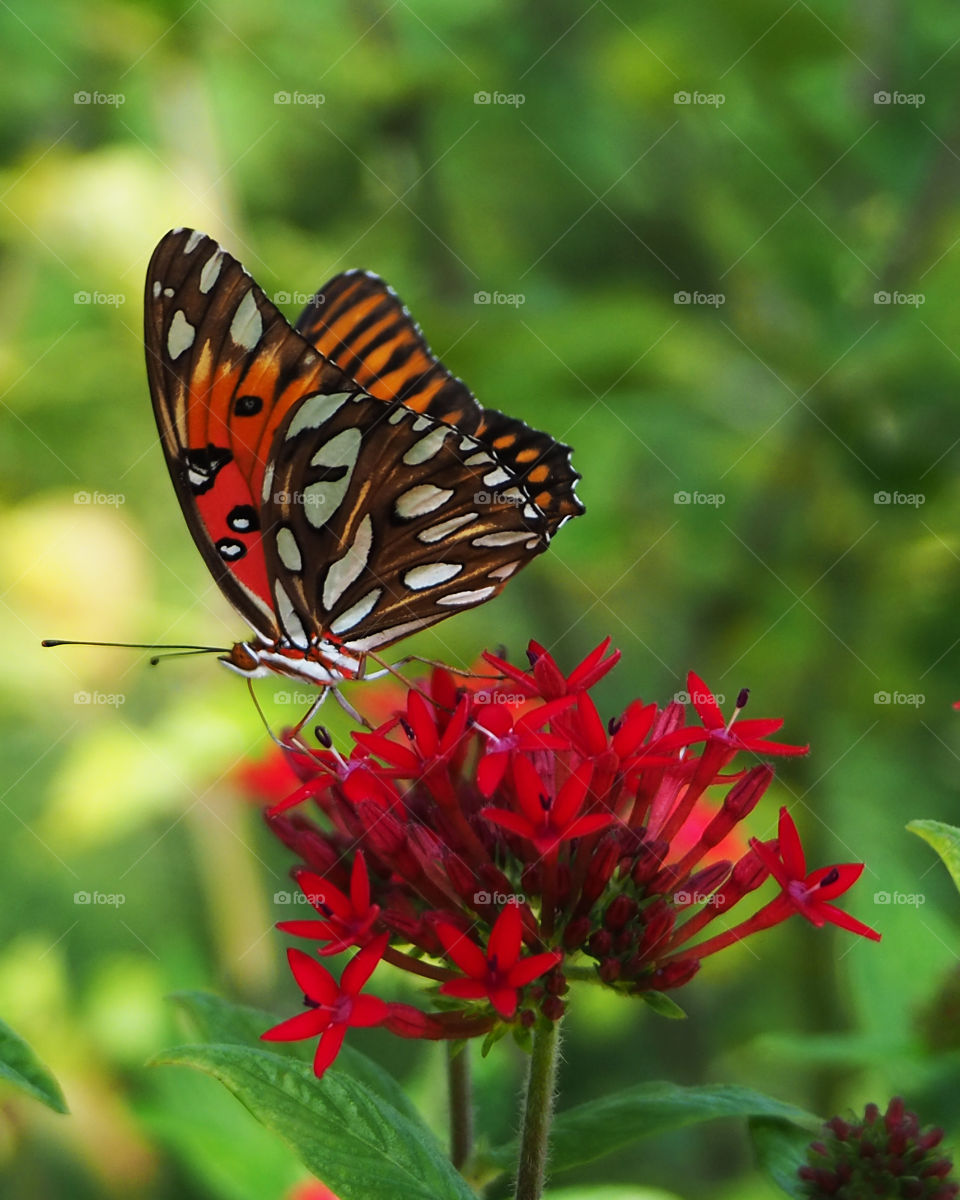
(432,662)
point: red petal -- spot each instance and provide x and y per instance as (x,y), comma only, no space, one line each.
(312,979)
(702,700)
(592,668)
(295,1029)
(538,717)
(770,860)
(847,876)
(528,969)
(791,849)
(505,938)
(363,964)
(320,931)
(570,798)
(592,729)
(761,747)
(526,681)
(490,772)
(313,788)
(315,886)
(368,1010)
(464,989)
(838,917)
(756,727)
(328,1049)
(495,719)
(457,727)
(511,821)
(390,751)
(589,824)
(422,722)
(504,1000)
(466,954)
(529,788)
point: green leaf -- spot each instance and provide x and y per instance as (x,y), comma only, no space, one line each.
(781,1148)
(661,1003)
(21,1067)
(358,1144)
(589,1131)
(611,1192)
(945,839)
(216,1020)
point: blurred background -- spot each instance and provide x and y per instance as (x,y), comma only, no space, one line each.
(715,249)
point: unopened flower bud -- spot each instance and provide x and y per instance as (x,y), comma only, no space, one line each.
(620,910)
(600,944)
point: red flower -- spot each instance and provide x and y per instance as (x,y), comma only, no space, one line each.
(809,894)
(506,735)
(547,680)
(748,735)
(543,820)
(348,919)
(333,1007)
(499,974)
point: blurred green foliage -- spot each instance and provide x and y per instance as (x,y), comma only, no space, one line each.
(792,404)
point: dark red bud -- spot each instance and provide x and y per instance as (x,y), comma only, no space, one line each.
(576,933)
(620,910)
(600,944)
(553,1008)
(609,970)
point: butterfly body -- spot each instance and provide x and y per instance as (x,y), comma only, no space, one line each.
(344,489)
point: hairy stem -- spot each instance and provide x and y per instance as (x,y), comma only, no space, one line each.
(538,1112)
(461,1104)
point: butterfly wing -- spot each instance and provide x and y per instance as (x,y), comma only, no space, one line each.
(386,521)
(225,371)
(360,323)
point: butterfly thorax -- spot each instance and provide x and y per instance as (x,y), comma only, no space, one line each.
(323,662)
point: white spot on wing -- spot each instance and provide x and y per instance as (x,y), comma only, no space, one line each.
(426,447)
(436,533)
(479,460)
(386,636)
(314,410)
(288,550)
(420,500)
(355,614)
(505,571)
(492,478)
(348,568)
(247,324)
(322,499)
(268,481)
(396,417)
(211,269)
(501,539)
(156,289)
(168,292)
(430,575)
(193,241)
(456,599)
(292,625)
(422,423)
(180,335)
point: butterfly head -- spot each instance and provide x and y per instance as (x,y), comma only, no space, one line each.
(245,660)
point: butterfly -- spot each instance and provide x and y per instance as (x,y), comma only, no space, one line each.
(344,489)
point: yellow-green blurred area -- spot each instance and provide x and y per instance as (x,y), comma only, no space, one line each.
(770,471)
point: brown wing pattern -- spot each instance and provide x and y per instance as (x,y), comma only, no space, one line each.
(361,324)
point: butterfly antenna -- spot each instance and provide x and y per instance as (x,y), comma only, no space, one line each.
(185,653)
(138,646)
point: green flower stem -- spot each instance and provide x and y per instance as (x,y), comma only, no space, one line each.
(461,1104)
(538,1111)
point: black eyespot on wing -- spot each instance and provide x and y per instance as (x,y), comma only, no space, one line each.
(230,550)
(243,518)
(202,466)
(247,406)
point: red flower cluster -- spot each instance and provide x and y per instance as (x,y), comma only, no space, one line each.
(496,841)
